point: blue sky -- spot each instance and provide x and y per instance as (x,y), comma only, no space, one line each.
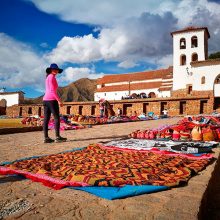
(93,38)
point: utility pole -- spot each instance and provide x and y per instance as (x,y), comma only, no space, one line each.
(129,88)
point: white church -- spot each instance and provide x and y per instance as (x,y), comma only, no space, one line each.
(191,71)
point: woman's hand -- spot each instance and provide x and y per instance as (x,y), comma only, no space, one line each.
(60,103)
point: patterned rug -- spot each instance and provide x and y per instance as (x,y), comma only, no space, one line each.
(97,165)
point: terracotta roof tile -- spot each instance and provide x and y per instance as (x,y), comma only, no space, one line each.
(191,28)
(147,75)
(134,86)
(165,88)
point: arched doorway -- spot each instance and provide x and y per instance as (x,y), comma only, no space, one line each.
(134,96)
(152,95)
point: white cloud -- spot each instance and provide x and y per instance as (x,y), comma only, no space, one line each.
(165,61)
(97,12)
(127,64)
(128,42)
(129,30)
(71,74)
(20,66)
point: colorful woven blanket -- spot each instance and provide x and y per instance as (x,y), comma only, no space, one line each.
(97,165)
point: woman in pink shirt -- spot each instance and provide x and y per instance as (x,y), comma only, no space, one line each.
(51,102)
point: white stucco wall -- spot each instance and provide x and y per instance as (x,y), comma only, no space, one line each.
(11,99)
(217,90)
(117,95)
(210,73)
(180,76)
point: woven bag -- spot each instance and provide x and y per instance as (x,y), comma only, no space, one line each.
(196,133)
(208,134)
(185,135)
(176,135)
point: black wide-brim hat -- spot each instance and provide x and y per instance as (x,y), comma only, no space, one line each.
(53,66)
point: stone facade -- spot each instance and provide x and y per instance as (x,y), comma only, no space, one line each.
(179,104)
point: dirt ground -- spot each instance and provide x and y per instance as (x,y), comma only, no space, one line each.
(36,201)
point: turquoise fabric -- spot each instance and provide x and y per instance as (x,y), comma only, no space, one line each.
(112,193)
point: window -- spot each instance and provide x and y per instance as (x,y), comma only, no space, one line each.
(29,110)
(194,57)
(39,111)
(182,43)
(68,110)
(194,42)
(183,60)
(203,80)
(80,110)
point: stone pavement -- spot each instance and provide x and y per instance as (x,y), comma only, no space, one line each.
(36,201)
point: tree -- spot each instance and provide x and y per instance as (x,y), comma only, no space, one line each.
(214,55)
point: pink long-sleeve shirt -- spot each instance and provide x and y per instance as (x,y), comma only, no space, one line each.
(51,88)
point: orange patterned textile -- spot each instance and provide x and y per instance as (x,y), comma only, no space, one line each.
(98,166)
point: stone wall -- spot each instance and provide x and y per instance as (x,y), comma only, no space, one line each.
(179,105)
(185,93)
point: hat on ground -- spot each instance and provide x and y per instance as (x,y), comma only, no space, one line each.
(53,66)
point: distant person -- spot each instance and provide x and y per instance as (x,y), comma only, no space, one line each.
(165,113)
(51,102)
(135,114)
(119,111)
(101,108)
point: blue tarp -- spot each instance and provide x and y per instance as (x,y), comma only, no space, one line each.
(112,193)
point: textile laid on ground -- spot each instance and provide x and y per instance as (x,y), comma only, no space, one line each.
(98,166)
(174,146)
(65,126)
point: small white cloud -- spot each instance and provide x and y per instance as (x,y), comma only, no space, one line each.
(72,74)
(127,64)
(44,45)
(165,61)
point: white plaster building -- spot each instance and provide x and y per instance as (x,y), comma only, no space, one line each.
(191,71)
(11,98)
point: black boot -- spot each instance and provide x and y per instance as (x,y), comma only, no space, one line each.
(60,139)
(48,140)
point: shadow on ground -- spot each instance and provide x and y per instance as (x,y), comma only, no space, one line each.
(210,204)
(97,138)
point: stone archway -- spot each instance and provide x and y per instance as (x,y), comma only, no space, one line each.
(3,103)
(152,95)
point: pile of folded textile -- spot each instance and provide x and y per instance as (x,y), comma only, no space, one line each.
(200,128)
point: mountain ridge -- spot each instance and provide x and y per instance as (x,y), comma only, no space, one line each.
(81,90)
